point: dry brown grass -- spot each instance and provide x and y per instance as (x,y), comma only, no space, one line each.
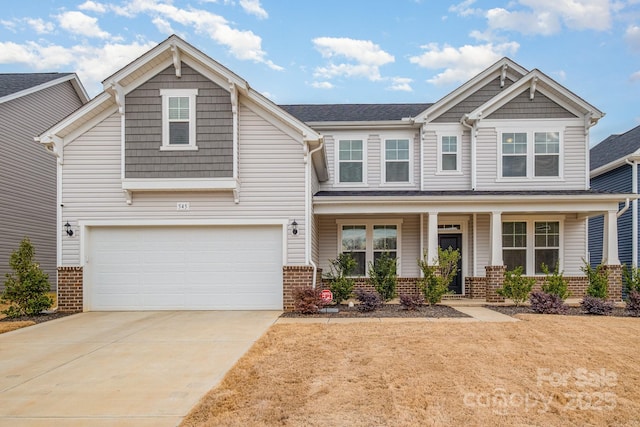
(13,325)
(434,374)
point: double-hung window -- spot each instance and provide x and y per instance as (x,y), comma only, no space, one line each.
(396,154)
(530,154)
(514,154)
(449,157)
(529,244)
(178,119)
(547,153)
(366,242)
(351,160)
(547,244)
(514,245)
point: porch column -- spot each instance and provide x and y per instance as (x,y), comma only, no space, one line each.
(432,239)
(496,238)
(610,240)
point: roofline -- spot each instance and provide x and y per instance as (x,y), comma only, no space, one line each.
(75,82)
(361,124)
(635,156)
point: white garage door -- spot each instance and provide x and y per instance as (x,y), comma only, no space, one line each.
(184,268)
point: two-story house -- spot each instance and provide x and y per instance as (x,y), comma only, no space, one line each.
(187,189)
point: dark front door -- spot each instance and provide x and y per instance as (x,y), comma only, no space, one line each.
(455,242)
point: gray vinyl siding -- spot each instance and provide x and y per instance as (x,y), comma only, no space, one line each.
(28,174)
(522,107)
(437,181)
(271,173)
(618,180)
(476,99)
(214,130)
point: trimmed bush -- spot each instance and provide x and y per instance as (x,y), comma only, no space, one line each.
(544,303)
(27,287)
(515,286)
(369,301)
(633,303)
(436,279)
(307,301)
(411,302)
(595,305)
(555,283)
(383,277)
(598,281)
(340,283)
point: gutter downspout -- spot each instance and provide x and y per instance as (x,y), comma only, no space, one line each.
(634,213)
(472,130)
(307,209)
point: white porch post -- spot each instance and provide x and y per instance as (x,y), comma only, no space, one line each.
(432,239)
(496,238)
(610,241)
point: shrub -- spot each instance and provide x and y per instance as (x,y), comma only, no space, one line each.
(555,283)
(598,281)
(515,286)
(595,305)
(411,302)
(27,287)
(340,283)
(307,300)
(545,303)
(633,303)
(382,276)
(436,279)
(369,301)
(631,278)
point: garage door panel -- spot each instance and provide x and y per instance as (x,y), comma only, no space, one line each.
(155,268)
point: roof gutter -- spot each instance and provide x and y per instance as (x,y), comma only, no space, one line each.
(634,213)
(473,129)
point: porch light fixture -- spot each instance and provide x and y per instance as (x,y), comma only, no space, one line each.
(67,228)
(294,227)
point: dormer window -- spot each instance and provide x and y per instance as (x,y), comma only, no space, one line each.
(179,119)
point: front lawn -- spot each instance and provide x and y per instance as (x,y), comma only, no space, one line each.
(544,370)
(11,325)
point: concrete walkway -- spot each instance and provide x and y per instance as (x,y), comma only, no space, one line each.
(122,368)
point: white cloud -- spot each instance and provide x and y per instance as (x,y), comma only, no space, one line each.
(40,26)
(632,36)
(402,84)
(93,6)
(635,76)
(163,25)
(253,7)
(9,25)
(464,8)
(366,58)
(322,85)
(545,23)
(461,63)
(78,23)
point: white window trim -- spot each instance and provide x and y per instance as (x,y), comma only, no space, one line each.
(169,93)
(530,248)
(383,163)
(369,236)
(458,136)
(336,156)
(530,131)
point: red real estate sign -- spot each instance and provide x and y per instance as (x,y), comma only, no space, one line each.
(326,295)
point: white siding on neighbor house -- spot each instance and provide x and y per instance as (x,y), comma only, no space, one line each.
(435,181)
(572,160)
(271,171)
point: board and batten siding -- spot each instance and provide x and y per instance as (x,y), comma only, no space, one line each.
(271,171)
(214,130)
(28,174)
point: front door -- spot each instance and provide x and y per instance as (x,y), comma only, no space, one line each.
(455,242)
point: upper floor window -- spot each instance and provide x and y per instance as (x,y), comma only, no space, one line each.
(449,157)
(179,119)
(396,152)
(350,160)
(520,158)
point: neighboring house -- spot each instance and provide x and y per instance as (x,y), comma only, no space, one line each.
(30,104)
(614,167)
(187,189)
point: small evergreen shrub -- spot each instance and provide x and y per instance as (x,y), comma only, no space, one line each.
(598,281)
(515,286)
(383,277)
(436,279)
(340,283)
(633,303)
(411,302)
(369,301)
(595,305)
(27,287)
(555,283)
(631,278)
(307,301)
(545,303)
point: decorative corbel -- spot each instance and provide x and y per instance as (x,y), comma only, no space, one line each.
(503,74)
(532,89)
(588,122)
(233,92)
(118,95)
(128,196)
(177,62)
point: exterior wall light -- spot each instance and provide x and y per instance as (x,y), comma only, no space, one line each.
(67,228)
(294,227)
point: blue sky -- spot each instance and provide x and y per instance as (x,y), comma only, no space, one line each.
(336,51)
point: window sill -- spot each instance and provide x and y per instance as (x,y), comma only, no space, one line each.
(449,173)
(531,179)
(350,184)
(180,184)
(179,148)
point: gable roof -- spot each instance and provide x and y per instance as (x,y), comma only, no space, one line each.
(614,150)
(310,113)
(15,85)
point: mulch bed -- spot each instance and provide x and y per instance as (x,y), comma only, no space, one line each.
(511,310)
(37,318)
(387,310)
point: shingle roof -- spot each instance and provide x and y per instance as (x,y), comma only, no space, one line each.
(615,147)
(12,83)
(353,112)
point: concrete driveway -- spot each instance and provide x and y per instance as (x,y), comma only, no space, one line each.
(120,368)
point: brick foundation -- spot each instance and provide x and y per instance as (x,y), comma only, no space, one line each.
(70,296)
(494,281)
(615,281)
(296,277)
(475,287)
